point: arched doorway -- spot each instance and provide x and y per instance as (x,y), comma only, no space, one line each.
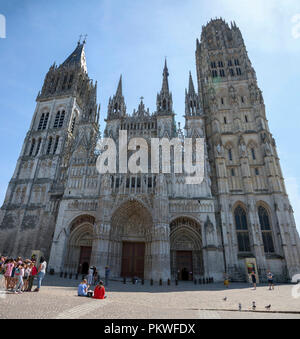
(80,242)
(130,240)
(186,249)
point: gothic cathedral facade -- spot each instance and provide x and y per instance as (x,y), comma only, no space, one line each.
(154,226)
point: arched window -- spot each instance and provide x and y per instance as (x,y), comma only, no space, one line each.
(49,145)
(230,154)
(266,230)
(45,121)
(41,121)
(62,118)
(57,117)
(253,153)
(241,225)
(32,147)
(214,73)
(56,145)
(38,146)
(164,104)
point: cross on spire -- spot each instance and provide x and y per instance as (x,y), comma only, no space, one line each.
(84,38)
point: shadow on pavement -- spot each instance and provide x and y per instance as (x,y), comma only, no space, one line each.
(118,286)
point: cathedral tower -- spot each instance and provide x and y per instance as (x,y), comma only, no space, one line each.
(66,103)
(253,207)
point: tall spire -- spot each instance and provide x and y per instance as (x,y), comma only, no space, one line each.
(164,98)
(165,85)
(191,85)
(116,105)
(120,89)
(77,58)
(192,102)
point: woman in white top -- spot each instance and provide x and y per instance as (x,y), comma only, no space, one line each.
(90,276)
(41,273)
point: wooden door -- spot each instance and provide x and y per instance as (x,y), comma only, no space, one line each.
(85,258)
(133,260)
(184,265)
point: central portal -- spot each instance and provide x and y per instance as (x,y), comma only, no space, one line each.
(133,259)
(130,241)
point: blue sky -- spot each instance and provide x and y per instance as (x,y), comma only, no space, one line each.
(133,37)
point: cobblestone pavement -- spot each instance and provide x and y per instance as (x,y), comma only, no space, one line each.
(58,300)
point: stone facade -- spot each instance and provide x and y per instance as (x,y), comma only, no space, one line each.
(57,201)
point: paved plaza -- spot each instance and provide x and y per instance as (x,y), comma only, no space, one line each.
(58,300)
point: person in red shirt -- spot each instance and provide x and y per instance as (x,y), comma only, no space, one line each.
(99,292)
(33,273)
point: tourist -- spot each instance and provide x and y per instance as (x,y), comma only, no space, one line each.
(2,263)
(33,274)
(107,272)
(83,289)
(26,276)
(13,280)
(41,273)
(19,273)
(96,276)
(99,292)
(270,278)
(90,276)
(8,272)
(253,277)
(226,280)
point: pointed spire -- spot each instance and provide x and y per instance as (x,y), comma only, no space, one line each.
(191,85)
(77,58)
(164,98)
(165,86)
(120,88)
(116,105)
(192,102)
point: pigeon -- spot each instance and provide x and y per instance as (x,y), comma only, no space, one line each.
(240,307)
(225,299)
(268,307)
(254,306)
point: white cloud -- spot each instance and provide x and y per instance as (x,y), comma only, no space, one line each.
(296,27)
(265,24)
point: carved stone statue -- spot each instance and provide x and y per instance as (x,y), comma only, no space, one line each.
(220,149)
(267,149)
(243,150)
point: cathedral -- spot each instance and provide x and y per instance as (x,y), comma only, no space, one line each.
(155,226)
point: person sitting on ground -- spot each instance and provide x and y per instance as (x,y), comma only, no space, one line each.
(83,289)
(99,292)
